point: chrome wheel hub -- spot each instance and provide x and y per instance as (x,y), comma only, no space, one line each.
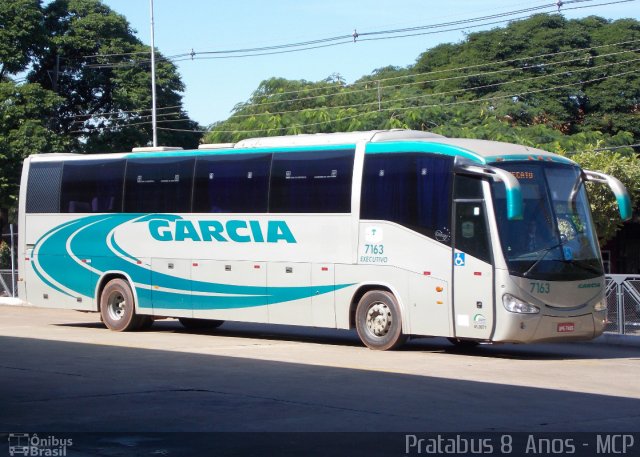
(379,319)
(117,306)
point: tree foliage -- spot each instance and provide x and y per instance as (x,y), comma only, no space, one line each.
(95,60)
(21,34)
(88,86)
(574,77)
(567,86)
(24,117)
(624,166)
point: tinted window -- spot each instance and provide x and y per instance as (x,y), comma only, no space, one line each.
(472,235)
(159,185)
(311,182)
(43,189)
(468,188)
(413,190)
(555,239)
(232,183)
(92,186)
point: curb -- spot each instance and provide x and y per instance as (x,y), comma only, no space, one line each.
(11,301)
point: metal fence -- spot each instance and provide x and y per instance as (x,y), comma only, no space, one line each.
(8,268)
(7,283)
(623,304)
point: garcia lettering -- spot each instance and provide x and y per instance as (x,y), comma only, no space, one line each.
(234,230)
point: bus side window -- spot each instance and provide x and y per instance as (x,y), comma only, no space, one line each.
(467,187)
(411,189)
(232,183)
(43,188)
(159,185)
(311,182)
(472,235)
(92,186)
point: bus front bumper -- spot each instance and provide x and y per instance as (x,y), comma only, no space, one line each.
(537,328)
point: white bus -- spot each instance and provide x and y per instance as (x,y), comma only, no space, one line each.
(394,233)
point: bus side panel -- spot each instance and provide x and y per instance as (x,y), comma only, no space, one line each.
(290,293)
(241,290)
(44,290)
(172,299)
(323,304)
(429,306)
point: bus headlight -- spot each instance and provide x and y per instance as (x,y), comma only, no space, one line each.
(515,305)
(600,306)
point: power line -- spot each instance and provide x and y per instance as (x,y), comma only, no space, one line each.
(490,23)
(462,102)
(507,70)
(440,105)
(347,38)
(312,44)
(357,35)
(610,148)
(122,112)
(106,118)
(122,54)
(91,129)
(450,70)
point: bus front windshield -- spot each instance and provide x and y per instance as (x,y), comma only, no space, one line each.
(555,239)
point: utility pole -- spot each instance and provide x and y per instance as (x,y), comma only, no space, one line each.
(56,74)
(153,81)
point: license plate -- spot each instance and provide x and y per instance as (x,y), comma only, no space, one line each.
(566,327)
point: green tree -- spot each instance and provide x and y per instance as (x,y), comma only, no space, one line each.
(21,34)
(24,118)
(623,165)
(102,70)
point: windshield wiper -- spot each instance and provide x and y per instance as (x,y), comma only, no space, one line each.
(584,266)
(544,253)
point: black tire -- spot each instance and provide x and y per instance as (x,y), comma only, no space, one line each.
(379,322)
(199,324)
(118,308)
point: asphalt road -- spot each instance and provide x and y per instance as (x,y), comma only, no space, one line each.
(62,371)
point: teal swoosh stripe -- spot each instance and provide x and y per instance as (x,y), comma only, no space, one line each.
(170,300)
(119,250)
(52,258)
(47,282)
(88,237)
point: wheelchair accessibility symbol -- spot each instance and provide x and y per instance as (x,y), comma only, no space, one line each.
(458,259)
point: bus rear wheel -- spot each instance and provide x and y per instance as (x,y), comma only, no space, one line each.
(117,307)
(378,321)
(199,324)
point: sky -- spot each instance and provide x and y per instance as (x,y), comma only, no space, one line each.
(215,86)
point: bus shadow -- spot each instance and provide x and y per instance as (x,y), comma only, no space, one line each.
(67,386)
(349,338)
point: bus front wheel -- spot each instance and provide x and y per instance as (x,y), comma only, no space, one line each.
(378,321)
(117,307)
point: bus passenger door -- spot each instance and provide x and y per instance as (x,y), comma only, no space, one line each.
(473,304)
